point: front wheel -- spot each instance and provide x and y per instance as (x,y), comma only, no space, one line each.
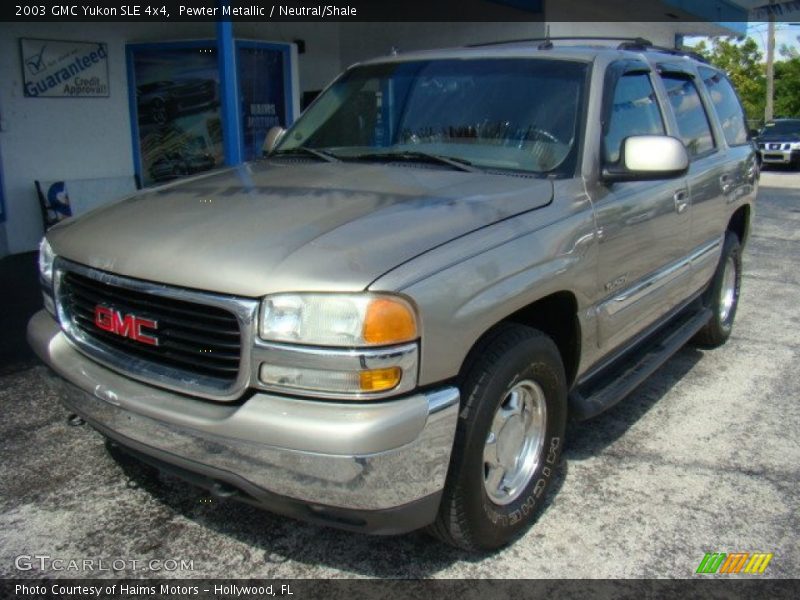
(508,441)
(722,296)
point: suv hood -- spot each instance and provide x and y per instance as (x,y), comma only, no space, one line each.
(779,137)
(274,226)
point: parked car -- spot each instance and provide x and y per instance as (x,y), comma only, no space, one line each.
(385,324)
(179,163)
(162,101)
(779,143)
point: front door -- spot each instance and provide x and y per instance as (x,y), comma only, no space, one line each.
(643,227)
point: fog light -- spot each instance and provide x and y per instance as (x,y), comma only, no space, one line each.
(337,382)
(380,380)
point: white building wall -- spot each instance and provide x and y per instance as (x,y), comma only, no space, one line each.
(84,138)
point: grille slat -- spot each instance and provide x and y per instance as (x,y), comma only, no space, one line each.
(182,324)
(193,338)
(147,301)
(190,351)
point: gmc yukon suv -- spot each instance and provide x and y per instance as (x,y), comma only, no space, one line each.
(384,324)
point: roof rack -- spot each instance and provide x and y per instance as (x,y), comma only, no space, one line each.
(673,51)
(547,42)
(626,43)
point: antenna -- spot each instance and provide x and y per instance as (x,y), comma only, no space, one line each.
(546,44)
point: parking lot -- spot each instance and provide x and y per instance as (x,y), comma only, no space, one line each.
(704,457)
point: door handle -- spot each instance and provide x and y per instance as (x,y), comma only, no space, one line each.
(725,183)
(681,199)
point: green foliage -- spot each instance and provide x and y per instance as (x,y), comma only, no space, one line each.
(787,88)
(743,62)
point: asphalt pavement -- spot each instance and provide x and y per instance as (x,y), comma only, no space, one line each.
(703,457)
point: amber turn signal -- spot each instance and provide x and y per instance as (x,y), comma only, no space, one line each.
(389,321)
(380,380)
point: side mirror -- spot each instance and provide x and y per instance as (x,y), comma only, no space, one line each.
(274,136)
(648,157)
(754,133)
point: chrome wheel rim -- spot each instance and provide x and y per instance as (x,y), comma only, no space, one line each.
(727,293)
(514,444)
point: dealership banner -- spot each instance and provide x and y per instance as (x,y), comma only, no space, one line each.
(64,69)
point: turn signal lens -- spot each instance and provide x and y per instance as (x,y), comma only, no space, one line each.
(380,380)
(389,321)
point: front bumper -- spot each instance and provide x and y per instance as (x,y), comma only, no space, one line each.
(779,157)
(378,467)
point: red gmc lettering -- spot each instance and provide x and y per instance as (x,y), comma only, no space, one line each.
(129,326)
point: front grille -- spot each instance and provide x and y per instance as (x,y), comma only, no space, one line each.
(193,339)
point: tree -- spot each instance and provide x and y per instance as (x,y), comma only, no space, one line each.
(742,63)
(787,87)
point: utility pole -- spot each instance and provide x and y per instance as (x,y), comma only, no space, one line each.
(769,108)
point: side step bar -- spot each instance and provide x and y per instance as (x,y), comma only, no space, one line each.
(626,374)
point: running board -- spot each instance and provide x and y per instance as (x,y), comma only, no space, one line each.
(622,377)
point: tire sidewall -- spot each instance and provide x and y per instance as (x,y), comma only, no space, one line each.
(730,249)
(494,525)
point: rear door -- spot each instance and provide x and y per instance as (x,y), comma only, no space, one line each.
(733,171)
(710,176)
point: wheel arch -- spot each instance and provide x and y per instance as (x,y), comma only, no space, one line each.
(555,315)
(739,223)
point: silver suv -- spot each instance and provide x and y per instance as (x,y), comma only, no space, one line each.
(385,323)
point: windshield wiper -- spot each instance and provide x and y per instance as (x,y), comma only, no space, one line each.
(457,163)
(321,154)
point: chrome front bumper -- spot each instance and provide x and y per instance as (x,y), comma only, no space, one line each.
(781,157)
(341,463)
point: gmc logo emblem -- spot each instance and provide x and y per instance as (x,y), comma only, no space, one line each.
(129,326)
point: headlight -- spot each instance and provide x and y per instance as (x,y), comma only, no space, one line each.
(46,258)
(795,145)
(350,320)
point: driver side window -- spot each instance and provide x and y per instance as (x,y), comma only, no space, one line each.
(634,111)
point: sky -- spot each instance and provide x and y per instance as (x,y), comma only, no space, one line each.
(785,33)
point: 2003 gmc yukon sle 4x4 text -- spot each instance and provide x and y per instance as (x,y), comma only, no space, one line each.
(385,323)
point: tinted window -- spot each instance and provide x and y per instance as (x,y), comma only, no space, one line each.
(693,125)
(634,111)
(515,114)
(727,105)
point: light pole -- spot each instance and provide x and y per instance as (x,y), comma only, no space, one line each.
(769,107)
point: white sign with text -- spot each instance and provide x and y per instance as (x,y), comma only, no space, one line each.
(54,68)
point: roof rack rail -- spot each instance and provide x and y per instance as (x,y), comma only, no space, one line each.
(673,51)
(626,43)
(547,42)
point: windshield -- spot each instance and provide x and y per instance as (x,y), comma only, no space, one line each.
(518,114)
(781,127)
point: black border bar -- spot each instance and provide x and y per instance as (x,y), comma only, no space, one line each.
(444,11)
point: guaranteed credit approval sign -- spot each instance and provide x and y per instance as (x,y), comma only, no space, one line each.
(54,68)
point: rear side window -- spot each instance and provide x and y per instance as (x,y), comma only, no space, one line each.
(693,124)
(726,103)
(634,111)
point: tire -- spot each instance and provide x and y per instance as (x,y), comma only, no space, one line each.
(722,296)
(519,367)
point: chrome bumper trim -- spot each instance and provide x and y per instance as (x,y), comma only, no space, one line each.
(367,456)
(335,359)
